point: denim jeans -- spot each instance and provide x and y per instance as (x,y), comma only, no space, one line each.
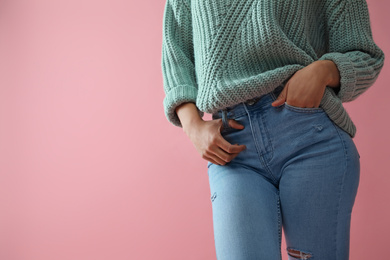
(300,171)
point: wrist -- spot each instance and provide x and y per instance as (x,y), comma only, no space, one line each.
(331,73)
(191,125)
(188,115)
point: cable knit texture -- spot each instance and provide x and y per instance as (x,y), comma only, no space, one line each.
(219,53)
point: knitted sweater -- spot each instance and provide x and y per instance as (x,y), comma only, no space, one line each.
(218,53)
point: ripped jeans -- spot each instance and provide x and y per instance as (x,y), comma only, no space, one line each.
(299,171)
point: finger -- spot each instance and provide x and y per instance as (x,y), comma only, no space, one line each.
(220,125)
(222,155)
(211,160)
(216,160)
(228,147)
(281,98)
(233,123)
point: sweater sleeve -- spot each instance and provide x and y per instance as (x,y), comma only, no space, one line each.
(351,47)
(177,60)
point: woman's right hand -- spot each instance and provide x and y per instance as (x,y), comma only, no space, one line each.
(210,144)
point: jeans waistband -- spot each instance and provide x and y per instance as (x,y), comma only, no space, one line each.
(252,104)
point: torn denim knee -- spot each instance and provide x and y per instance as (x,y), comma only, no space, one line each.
(298,254)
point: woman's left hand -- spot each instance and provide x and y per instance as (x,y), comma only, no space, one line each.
(307,86)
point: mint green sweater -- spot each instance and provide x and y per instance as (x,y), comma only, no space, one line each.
(218,53)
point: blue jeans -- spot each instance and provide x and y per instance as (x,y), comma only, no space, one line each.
(300,171)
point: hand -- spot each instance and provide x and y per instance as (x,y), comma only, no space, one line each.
(208,141)
(307,86)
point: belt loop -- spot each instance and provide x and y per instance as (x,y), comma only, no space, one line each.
(225,119)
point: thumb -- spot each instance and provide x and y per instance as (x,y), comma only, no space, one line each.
(281,98)
(233,123)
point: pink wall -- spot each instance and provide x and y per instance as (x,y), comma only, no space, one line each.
(89,166)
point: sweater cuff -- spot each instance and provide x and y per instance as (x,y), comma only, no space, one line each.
(175,97)
(347,74)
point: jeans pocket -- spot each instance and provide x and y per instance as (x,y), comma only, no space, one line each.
(304,109)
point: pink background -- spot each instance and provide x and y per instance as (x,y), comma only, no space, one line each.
(89,166)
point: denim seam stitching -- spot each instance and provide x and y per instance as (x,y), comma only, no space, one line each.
(257,146)
(342,183)
(304,109)
(279,226)
(268,136)
(264,162)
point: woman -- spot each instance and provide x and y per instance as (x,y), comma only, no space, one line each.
(274,75)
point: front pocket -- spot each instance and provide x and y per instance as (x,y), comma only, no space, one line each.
(303,109)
